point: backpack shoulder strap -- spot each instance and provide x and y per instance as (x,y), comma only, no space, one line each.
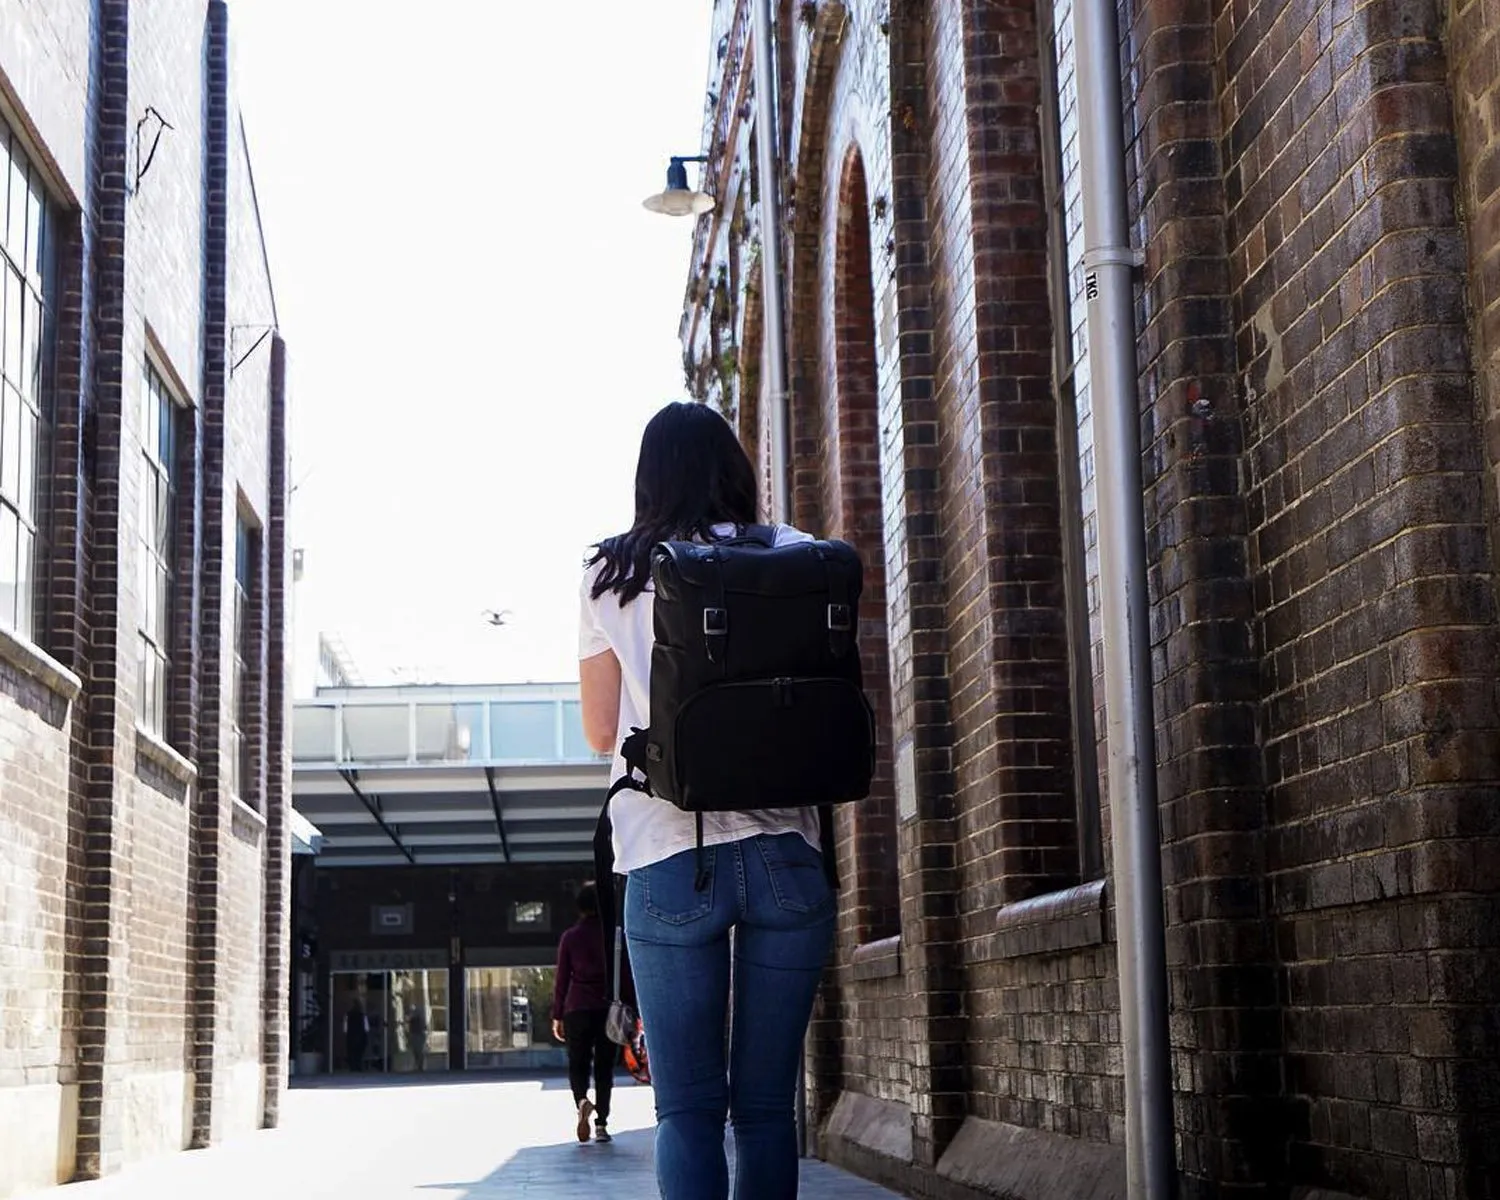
(763,535)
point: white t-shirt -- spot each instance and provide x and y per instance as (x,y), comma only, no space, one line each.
(648,829)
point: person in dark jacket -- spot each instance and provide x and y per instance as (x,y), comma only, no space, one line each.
(580,1010)
(356,1035)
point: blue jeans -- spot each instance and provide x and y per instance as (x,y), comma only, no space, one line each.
(772,892)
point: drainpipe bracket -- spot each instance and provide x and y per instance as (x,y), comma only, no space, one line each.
(1114,256)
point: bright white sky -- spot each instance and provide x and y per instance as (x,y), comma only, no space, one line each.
(480,316)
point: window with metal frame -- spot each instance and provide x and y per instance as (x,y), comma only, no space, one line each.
(25,311)
(244,681)
(161,425)
(1063,190)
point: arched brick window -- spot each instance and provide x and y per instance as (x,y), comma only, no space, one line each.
(854,511)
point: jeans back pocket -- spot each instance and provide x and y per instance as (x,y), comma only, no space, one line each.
(799,884)
(668,893)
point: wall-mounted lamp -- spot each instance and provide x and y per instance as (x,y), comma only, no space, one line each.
(678,200)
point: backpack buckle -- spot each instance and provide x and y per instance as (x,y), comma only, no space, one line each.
(840,619)
(715,622)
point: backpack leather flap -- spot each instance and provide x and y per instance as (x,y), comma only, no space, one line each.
(801,569)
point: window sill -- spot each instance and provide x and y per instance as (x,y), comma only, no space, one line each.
(878,960)
(161,755)
(245,822)
(1071,919)
(36,664)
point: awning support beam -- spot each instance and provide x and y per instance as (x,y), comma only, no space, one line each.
(352,779)
(489,778)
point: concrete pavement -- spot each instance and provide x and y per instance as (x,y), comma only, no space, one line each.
(446,1138)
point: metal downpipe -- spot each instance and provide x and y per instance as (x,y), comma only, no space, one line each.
(773,348)
(773,365)
(1137,880)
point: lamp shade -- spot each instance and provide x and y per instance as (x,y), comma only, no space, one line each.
(678,200)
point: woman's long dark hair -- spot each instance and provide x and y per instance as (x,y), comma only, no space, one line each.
(692,474)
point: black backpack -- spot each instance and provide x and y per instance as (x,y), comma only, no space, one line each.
(756,689)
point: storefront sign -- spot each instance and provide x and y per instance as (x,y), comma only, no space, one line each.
(509,956)
(387,960)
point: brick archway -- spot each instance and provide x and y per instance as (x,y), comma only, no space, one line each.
(853,505)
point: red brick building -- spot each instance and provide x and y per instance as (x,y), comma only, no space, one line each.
(143,757)
(1315,189)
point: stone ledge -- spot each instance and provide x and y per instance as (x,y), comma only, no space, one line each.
(1030,1164)
(1052,924)
(881,1127)
(245,823)
(163,757)
(36,665)
(877,960)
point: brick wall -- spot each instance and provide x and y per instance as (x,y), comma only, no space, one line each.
(116,1063)
(41,810)
(1211,788)
(1322,623)
(163,317)
(1372,564)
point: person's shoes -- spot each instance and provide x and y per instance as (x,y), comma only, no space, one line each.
(585,1111)
(601,1133)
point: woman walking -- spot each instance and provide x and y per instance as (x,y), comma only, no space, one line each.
(762,877)
(580,1008)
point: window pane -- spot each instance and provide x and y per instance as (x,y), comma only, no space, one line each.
(4,176)
(148,407)
(162,520)
(448,732)
(148,591)
(575,745)
(140,680)
(35,244)
(163,606)
(166,425)
(312,733)
(26,486)
(25,555)
(146,506)
(6,369)
(15,239)
(148,690)
(10,444)
(248,781)
(29,375)
(244,555)
(524,731)
(233,765)
(376,733)
(9,529)
(13,322)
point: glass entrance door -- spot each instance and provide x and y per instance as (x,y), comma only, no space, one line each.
(358,1021)
(417,1020)
(390,1021)
(510,1018)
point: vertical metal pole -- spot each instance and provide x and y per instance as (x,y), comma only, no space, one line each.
(1137,882)
(773,366)
(773,369)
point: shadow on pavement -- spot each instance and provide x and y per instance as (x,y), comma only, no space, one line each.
(622,1169)
(568,1169)
(432,1079)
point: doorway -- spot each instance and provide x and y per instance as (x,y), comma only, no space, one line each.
(390,1021)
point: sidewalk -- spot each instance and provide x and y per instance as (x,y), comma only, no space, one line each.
(466,1138)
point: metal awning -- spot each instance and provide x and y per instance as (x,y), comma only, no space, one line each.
(447,776)
(306,839)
